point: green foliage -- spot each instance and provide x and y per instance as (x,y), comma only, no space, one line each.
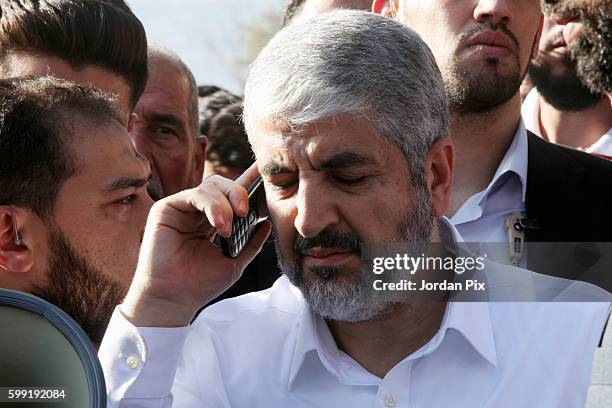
(255,35)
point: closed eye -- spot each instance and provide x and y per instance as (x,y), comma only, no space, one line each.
(284,186)
(349,181)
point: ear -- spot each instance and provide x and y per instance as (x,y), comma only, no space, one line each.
(439,173)
(200,156)
(536,44)
(132,121)
(15,241)
(385,8)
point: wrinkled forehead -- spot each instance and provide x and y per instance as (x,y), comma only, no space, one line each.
(343,137)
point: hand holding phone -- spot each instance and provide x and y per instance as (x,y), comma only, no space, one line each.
(244,227)
(179,268)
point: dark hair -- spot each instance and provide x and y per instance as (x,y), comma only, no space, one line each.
(207,90)
(104,33)
(34,137)
(291,9)
(228,144)
(211,104)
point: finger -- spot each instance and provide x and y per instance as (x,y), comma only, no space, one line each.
(248,177)
(196,208)
(255,244)
(235,193)
(217,209)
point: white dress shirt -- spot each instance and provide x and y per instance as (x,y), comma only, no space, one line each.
(480,220)
(530,110)
(268,349)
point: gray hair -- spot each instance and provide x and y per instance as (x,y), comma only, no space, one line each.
(356,63)
(165,54)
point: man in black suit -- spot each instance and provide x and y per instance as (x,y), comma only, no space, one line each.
(505,176)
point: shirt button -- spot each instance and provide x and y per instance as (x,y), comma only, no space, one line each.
(132,362)
(390,401)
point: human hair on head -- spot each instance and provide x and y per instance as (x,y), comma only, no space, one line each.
(228,144)
(353,63)
(37,123)
(103,33)
(291,10)
(213,101)
(161,52)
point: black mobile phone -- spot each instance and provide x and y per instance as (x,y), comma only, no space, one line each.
(244,227)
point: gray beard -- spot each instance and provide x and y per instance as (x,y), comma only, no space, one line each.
(356,300)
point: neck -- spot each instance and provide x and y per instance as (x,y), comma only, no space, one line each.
(380,345)
(579,129)
(481,141)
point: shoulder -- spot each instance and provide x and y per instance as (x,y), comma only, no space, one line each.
(274,308)
(540,150)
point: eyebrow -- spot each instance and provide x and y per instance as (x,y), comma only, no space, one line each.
(344,160)
(168,118)
(340,160)
(272,168)
(123,183)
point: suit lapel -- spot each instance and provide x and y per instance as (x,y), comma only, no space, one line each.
(554,178)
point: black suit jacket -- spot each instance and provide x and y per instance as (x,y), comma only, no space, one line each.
(569,193)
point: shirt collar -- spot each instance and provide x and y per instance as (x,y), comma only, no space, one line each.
(470,319)
(473,321)
(603,145)
(514,162)
(530,111)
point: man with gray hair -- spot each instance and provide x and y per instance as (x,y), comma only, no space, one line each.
(166,131)
(351,141)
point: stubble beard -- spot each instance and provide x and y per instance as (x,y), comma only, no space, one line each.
(79,288)
(476,90)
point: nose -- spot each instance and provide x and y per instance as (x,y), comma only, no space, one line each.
(315,210)
(140,141)
(147,203)
(147,200)
(492,11)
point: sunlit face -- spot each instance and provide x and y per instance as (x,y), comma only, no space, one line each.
(332,187)
(86,256)
(25,64)
(103,208)
(482,47)
(163,133)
